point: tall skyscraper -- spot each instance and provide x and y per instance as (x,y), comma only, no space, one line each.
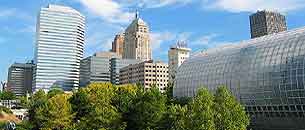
(20,76)
(59,48)
(177,54)
(118,44)
(137,40)
(96,68)
(266,22)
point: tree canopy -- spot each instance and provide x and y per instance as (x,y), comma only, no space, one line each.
(103,106)
(7,95)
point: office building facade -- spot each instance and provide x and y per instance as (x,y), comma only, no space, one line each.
(20,76)
(147,74)
(137,40)
(266,22)
(266,74)
(116,64)
(118,44)
(177,54)
(59,48)
(96,68)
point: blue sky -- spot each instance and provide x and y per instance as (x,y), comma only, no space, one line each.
(202,23)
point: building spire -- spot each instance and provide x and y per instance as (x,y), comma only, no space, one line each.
(137,14)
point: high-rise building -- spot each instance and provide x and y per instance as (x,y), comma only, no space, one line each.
(266,74)
(116,64)
(177,54)
(96,68)
(266,22)
(59,48)
(147,73)
(20,76)
(137,40)
(118,44)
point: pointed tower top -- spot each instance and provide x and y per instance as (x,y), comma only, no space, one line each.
(137,14)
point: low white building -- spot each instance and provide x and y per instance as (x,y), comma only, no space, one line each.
(20,113)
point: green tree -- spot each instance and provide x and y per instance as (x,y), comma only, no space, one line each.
(24,102)
(6,110)
(201,113)
(94,108)
(55,91)
(175,118)
(124,97)
(148,109)
(169,91)
(38,109)
(24,125)
(230,114)
(59,113)
(7,95)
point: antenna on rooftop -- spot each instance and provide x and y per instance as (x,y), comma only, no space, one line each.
(137,14)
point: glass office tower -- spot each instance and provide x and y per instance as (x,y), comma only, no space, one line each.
(267,75)
(96,68)
(59,48)
(118,63)
(20,78)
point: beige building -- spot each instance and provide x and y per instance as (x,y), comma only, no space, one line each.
(146,73)
(177,54)
(118,44)
(137,40)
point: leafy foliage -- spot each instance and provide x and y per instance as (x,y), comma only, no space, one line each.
(55,91)
(175,118)
(25,125)
(24,102)
(201,112)
(6,110)
(59,113)
(148,109)
(103,106)
(96,110)
(230,115)
(38,109)
(7,95)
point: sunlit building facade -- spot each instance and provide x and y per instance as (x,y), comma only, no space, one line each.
(148,73)
(266,74)
(118,44)
(177,54)
(137,40)
(59,48)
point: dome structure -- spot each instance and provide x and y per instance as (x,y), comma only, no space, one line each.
(266,74)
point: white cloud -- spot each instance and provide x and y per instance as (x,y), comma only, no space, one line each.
(119,11)
(96,43)
(204,40)
(109,10)
(184,36)
(157,38)
(7,12)
(208,41)
(254,5)
(161,3)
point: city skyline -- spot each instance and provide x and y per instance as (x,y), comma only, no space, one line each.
(200,26)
